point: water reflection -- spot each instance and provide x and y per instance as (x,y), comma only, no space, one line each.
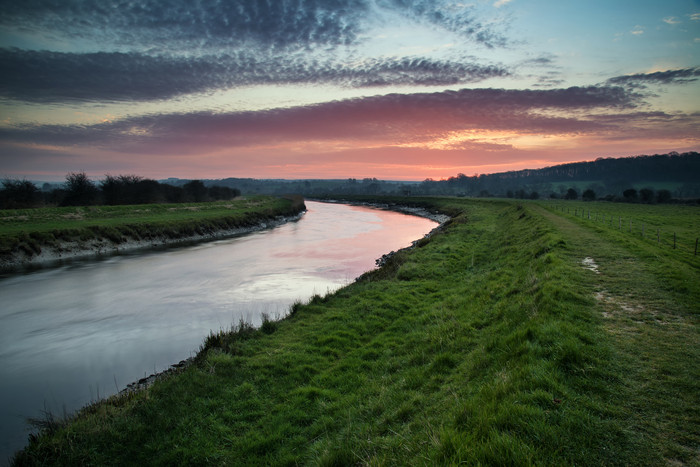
(72,334)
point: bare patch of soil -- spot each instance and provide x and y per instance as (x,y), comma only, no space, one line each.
(590,264)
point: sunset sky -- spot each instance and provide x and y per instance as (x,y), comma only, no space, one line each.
(393,89)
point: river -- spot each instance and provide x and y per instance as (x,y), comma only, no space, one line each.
(73,334)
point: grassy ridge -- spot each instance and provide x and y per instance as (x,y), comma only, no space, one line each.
(488,344)
(30,230)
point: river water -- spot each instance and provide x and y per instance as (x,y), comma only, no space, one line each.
(72,334)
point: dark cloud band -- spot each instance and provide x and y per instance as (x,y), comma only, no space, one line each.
(681,76)
(278,23)
(212,24)
(56,77)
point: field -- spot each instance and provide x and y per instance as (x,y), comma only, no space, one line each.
(654,223)
(520,334)
(30,230)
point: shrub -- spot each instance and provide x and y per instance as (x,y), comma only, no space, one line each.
(647,195)
(268,326)
(630,194)
(588,195)
(80,190)
(19,194)
(663,196)
(571,193)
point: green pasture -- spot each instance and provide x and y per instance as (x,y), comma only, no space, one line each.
(656,223)
(517,335)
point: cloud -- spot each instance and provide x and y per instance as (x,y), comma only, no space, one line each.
(214,25)
(500,3)
(374,136)
(143,51)
(694,16)
(550,79)
(671,20)
(541,61)
(682,76)
(164,23)
(55,77)
(445,15)
(637,30)
(394,118)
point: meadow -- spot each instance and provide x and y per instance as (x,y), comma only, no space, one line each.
(656,223)
(519,334)
(30,230)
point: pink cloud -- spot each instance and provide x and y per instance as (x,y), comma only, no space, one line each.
(394,136)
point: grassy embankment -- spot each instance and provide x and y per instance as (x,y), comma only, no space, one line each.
(30,230)
(490,343)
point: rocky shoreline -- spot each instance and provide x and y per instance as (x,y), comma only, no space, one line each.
(67,251)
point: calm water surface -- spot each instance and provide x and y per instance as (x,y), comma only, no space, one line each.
(73,334)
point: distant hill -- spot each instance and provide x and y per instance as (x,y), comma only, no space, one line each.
(677,174)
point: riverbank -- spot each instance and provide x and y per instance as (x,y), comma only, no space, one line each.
(402,207)
(489,343)
(45,237)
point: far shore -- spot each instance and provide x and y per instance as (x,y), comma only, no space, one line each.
(67,251)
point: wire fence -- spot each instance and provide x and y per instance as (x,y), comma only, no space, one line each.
(662,236)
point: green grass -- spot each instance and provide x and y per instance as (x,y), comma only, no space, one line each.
(490,344)
(30,230)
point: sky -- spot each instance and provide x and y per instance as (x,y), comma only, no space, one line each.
(392,89)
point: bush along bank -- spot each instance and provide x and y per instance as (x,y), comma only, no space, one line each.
(31,237)
(484,344)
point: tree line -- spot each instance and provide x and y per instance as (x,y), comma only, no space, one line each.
(609,178)
(643,179)
(630,195)
(667,176)
(80,190)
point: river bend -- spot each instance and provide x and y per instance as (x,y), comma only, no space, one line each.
(72,334)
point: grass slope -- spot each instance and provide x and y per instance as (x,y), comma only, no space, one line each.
(488,344)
